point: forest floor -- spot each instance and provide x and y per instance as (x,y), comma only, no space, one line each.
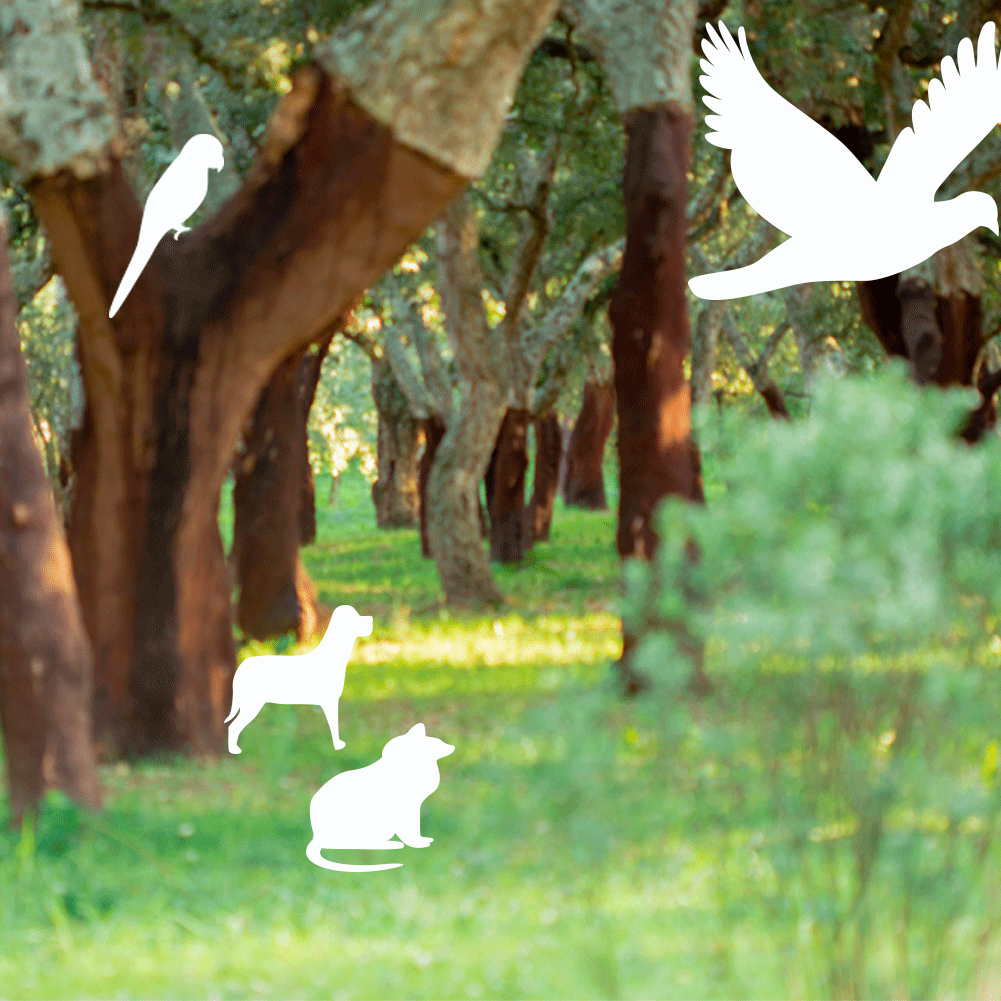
(584,847)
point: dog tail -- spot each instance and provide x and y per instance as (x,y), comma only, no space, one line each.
(314,856)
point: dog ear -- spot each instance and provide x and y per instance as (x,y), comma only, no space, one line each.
(418,729)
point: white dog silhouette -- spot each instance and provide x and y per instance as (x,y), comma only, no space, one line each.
(365,807)
(315,678)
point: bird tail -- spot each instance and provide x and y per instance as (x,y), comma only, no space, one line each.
(779,268)
(314,856)
(143,252)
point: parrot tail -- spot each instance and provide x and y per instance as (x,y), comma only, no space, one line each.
(144,251)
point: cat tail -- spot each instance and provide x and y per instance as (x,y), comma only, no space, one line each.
(314,856)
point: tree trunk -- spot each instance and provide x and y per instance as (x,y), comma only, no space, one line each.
(434,431)
(508,542)
(757,368)
(650,77)
(933,316)
(353,166)
(395,493)
(274,503)
(548,449)
(650,323)
(45,657)
(584,485)
(453,490)
(704,343)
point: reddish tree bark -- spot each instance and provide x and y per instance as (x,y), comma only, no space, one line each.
(208,321)
(434,431)
(649,319)
(940,334)
(396,492)
(584,485)
(548,452)
(506,499)
(274,503)
(45,657)
(335,191)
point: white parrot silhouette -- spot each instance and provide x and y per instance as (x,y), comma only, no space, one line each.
(843,225)
(175,197)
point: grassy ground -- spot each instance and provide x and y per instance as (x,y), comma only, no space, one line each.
(582,846)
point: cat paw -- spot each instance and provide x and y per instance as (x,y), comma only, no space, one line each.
(338,744)
(235,750)
(421,842)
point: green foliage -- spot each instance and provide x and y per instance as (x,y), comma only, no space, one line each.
(852,568)
(584,847)
(343,424)
(864,529)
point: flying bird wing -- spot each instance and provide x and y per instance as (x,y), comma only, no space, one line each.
(791,170)
(962,108)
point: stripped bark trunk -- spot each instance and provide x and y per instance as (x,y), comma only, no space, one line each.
(548,452)
(351,170)
(45,657)
(648,311)
(584,485)
(650,321)
(395,492)
(508,526)
(434,431)
(274,503)
(933,316)
(271,524)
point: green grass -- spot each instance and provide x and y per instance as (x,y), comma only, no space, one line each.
(584,848)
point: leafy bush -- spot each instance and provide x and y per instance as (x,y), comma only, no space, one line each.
(852,568)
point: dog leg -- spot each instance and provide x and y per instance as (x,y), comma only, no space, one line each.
(330,711)
(246,715)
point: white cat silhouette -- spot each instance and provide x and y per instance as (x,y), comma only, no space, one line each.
(315,678)
(365,807)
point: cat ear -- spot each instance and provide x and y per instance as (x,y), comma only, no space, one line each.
(418,729)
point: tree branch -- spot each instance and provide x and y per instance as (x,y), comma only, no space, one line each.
(756,368)
(432,368)
(559,318)
(365,340)
(538,179)
(153,13)
(421,403)
(559,48)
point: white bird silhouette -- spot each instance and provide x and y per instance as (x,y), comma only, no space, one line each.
(175,197)
(843,225)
